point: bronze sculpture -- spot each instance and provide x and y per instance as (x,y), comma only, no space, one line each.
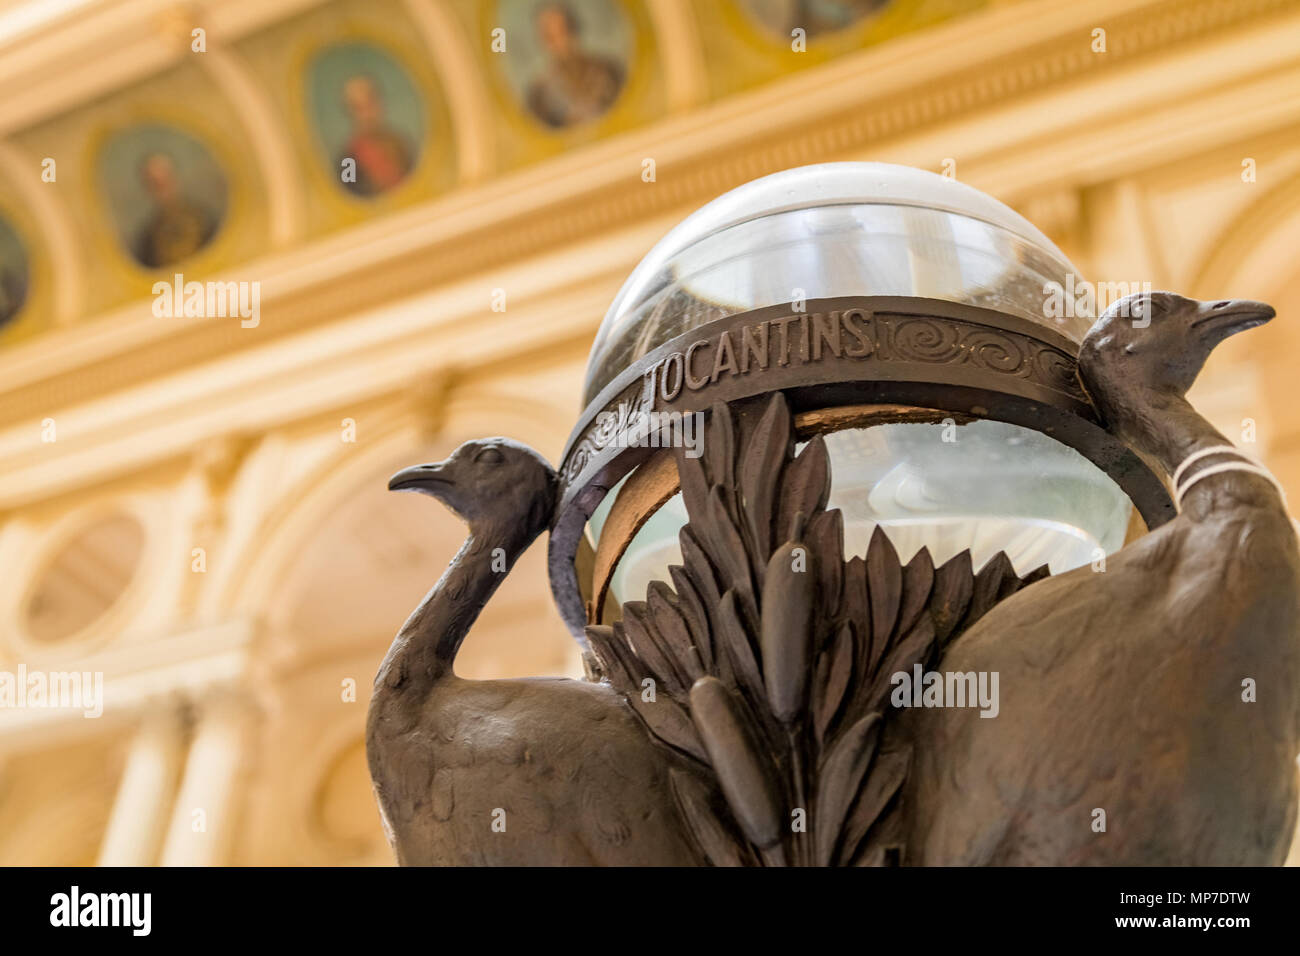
(1145,717)
(742,716)
(558,766)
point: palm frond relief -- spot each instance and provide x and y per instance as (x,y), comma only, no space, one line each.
(768,661)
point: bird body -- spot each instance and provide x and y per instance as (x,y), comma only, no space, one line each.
(1140,716)
(1150,711)
(541,771)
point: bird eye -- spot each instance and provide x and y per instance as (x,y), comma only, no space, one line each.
(1149,307)
(489,456)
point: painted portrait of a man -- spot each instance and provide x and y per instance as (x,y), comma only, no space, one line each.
(369,117)
(166,192)
(567,62)
(576,84)
(13,273)
(179,225)
(814,17)
(382,154)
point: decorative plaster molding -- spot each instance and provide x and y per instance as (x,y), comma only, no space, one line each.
(267,139)
(138,677)
(913,84)
(58,231)
(681,55)
(112,45)
(463,85)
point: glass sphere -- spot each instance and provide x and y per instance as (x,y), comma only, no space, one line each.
(843,229)
(831,230)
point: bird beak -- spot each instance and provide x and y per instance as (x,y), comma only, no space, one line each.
(420,478)
(1215,321)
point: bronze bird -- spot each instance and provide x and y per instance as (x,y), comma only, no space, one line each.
(1147,712)
(540,771)
(1150,712)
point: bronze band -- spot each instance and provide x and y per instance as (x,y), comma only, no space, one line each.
(969,362)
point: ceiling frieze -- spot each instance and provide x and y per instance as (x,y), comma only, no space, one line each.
(860,102)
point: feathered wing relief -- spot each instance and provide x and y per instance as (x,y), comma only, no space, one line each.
(771,656)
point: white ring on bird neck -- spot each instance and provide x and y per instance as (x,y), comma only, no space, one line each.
(1196,456)
(1180,493)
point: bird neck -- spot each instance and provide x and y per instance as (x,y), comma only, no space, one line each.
(426,645)
(1166,428)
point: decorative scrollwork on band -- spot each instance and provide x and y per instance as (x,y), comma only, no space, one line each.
(923,339)
(866,337)
(945,341)
(606,428)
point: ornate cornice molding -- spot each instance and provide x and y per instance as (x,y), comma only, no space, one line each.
(1027,50)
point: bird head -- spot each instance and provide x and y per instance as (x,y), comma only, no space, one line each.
(488,480)
(1158,342)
